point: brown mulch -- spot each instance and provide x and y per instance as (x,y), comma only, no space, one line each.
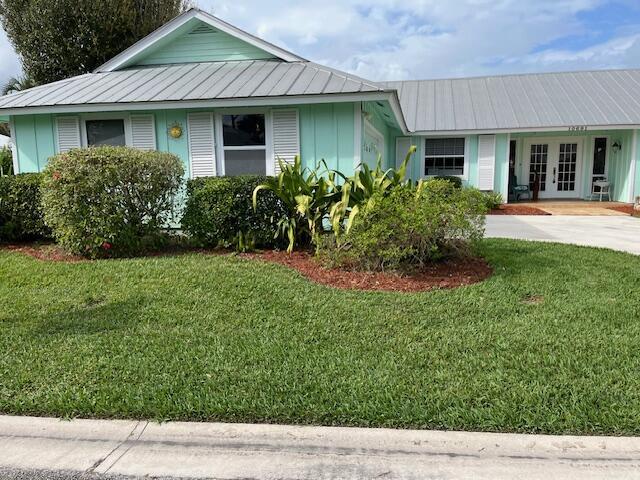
(628,209)
(517,210)
(44,251)
(448,274)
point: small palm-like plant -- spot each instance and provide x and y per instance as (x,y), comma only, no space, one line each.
(17,84)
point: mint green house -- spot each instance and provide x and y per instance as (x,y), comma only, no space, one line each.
(229,103)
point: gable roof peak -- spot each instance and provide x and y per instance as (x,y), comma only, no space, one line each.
(138,49)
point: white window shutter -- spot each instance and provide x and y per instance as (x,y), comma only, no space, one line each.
(286,137)
(403,144)
(68,133)
(143,132)
(486,161)
(202,151)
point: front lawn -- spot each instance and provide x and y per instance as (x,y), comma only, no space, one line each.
(550,343)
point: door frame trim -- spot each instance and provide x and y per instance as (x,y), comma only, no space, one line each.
(551,159)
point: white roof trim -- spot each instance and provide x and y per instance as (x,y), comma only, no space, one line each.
(137,48)
(212,103)
(590,130)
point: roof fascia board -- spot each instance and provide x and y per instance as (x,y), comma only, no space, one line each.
(213,103)
(138,48)
(592,128)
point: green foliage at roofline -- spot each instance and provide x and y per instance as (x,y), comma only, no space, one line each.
(63,38)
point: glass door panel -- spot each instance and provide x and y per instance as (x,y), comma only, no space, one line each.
(538,163)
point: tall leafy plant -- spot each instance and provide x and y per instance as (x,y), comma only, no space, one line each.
(307,196)
(360,189)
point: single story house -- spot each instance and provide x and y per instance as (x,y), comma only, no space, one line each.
(229,103)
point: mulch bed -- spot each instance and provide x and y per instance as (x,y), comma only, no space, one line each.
(517,210)
(44,251)
(448,274)
(628,209)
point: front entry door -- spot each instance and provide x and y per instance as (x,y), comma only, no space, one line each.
(557,164)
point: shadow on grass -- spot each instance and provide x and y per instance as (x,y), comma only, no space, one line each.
(90,318)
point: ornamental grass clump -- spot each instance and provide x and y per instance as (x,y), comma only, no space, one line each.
(110,201)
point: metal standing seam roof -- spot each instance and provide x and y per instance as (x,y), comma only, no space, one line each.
(195,81)
(545,100)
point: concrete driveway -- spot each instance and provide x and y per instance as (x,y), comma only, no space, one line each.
(615,232)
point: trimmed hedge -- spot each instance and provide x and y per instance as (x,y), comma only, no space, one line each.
(219,212)
(455,181)
(21,215)
(109,201)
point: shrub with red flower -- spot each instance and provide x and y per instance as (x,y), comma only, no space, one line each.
(106,246)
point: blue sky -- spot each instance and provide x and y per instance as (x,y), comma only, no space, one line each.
(389,40)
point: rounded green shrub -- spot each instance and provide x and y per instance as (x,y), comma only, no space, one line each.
(21,216)
(107,200)
(219,212)
(410,227)
(455,181)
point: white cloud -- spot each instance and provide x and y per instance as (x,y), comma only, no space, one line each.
(393,39)
(9,63)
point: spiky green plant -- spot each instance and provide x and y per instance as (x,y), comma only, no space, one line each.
(359,190)
(307,196)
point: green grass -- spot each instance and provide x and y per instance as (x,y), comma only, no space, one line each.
(220,338)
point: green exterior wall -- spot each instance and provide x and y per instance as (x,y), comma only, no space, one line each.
(378,117)
(206,45)
(501,171)
(327,132)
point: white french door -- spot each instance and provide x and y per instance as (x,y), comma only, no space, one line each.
(558,163)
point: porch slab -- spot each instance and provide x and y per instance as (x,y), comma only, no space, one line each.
(577,207)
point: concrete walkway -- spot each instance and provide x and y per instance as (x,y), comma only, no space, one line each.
(615,232)
(239,451)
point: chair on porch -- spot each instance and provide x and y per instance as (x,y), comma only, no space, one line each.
(601,188)
(516,190)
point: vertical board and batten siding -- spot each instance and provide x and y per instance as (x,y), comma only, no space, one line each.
(327,132)
(204,44)
(286,136)
(68,133)
(143,132)
(486,161)
(202,146)
(403,144)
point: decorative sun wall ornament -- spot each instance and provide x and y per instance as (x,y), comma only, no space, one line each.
(175,130)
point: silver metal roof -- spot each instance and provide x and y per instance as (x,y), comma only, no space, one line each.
(597,98)
(195,81)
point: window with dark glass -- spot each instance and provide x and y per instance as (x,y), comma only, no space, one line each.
(444,156)
(105,132)
(244,144)
(243,130)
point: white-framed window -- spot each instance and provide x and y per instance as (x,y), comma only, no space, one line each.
(244,143)
(446,157)
(110,131)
